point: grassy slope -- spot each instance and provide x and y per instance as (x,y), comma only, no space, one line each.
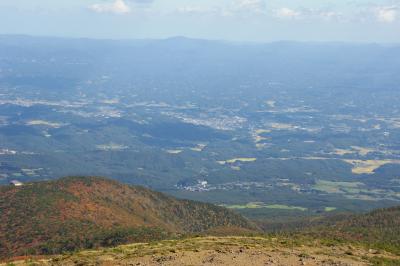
(78,212)
(377,229)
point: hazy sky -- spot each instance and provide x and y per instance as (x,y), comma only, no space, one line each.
(242,20)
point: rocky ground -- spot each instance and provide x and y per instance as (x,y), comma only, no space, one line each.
(224,251)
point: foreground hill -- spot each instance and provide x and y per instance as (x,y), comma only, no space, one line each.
(86,212)
(232,251)
(378,229)
(89,212)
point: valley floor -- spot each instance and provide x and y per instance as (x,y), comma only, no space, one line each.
(224,251)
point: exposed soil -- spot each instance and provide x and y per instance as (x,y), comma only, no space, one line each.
(232,251)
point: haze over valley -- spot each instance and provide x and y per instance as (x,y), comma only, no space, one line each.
(275,129)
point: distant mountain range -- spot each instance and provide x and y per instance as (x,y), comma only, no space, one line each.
(85,212)
(196,61)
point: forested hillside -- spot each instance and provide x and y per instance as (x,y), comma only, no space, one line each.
(85,212)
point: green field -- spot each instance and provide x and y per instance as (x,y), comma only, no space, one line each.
(260,205)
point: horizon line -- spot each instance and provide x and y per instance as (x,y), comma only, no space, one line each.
(182,37)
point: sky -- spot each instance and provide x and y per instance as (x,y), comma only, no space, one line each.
(236,20)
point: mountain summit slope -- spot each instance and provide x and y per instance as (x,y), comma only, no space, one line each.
(378,229)
(85,212)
